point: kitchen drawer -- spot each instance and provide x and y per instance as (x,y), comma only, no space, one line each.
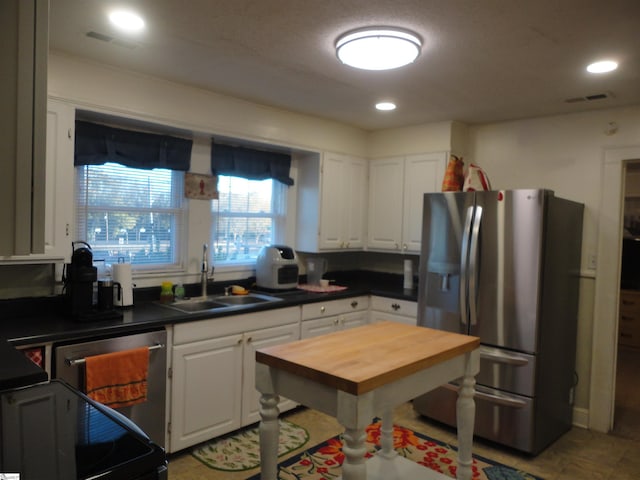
(334,307)
(630,301)
(629,331)
(630,339)
(406,308)
(629,319)
(233,324)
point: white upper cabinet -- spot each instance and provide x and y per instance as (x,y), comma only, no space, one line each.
(332,203)
(23,96)
(396,189)
(58,188)
(386,187)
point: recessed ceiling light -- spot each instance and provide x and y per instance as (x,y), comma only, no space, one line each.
(385,106)
(127,20)
(378,48)
(602,67)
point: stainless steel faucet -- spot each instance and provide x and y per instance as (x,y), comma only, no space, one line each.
(204,271)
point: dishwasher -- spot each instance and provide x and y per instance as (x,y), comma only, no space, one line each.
(69,360)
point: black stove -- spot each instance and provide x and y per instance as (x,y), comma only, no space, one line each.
(51,431)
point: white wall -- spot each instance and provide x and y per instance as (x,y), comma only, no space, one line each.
(98,87)
(562,153)
(432,137)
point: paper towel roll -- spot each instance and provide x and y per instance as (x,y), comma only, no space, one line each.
(408,274)
(122,275)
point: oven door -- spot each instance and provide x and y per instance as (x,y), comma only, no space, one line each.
(52,431)
(150,415)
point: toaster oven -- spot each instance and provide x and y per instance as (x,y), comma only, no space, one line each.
(277,268)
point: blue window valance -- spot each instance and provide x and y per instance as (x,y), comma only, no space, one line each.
(250,163)
(97,144)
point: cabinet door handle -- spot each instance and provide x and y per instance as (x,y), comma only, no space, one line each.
(354,304)
(395,306)
(249,339)
(322,309)
(239,340)
(404,246)
(397,246)
(336,321)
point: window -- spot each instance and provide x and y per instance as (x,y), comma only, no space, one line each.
(247,215)
(130,213)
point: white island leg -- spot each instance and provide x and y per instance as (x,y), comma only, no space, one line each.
(269,426)
(466,411)
(386,436)
(269,436)
(354,449)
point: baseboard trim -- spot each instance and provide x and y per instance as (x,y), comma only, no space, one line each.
(581,417)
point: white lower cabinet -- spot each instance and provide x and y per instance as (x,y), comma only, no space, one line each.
(206,390)
(326,317)
(254,341)
(403,311)
(213,372)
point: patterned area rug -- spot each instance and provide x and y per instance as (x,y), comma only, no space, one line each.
(240,451)
(323,461)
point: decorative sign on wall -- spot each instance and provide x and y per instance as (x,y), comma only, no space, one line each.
(200,187)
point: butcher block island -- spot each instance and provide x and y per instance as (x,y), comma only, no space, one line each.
(358,374)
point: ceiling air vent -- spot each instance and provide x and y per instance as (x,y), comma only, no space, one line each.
(113,40)
(588,98)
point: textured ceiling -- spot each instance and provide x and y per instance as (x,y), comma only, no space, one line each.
(482,60)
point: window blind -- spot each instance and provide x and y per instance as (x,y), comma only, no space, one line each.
(247,215)
(135,214)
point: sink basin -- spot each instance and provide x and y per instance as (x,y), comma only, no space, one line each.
(248,299)
(193,305)
(190,306)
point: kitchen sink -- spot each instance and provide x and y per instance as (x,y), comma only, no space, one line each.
(190,306)
(248,299)
(194,305)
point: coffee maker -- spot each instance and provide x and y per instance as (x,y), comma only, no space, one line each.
(80,276)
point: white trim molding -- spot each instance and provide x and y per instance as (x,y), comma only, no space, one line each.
(605,317)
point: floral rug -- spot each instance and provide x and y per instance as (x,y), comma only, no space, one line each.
(240,451)
(323,461)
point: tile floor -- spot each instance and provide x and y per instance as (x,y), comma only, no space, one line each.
(579,454)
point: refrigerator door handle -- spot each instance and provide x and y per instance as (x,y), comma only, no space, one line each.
(473,266)
(464,265)
(489,395)
(500,356)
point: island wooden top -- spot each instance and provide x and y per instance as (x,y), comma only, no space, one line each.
(361,359)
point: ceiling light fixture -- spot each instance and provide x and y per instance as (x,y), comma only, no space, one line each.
(378,48)
(385,106)
(127,20)
(602,67)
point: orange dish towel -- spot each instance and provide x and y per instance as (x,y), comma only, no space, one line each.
(118,379)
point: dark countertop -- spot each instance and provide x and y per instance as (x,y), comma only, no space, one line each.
(16,370)
(37,321)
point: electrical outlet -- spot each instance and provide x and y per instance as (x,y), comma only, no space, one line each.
(592,261)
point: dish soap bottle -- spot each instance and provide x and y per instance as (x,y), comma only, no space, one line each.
(179,292)
(166,292)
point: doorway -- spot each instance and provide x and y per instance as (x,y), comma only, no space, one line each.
(626,421)
(607,289)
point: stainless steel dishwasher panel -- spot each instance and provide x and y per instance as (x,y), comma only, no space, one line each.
(150,415)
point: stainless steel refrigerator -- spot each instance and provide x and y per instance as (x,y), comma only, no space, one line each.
(504,266)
